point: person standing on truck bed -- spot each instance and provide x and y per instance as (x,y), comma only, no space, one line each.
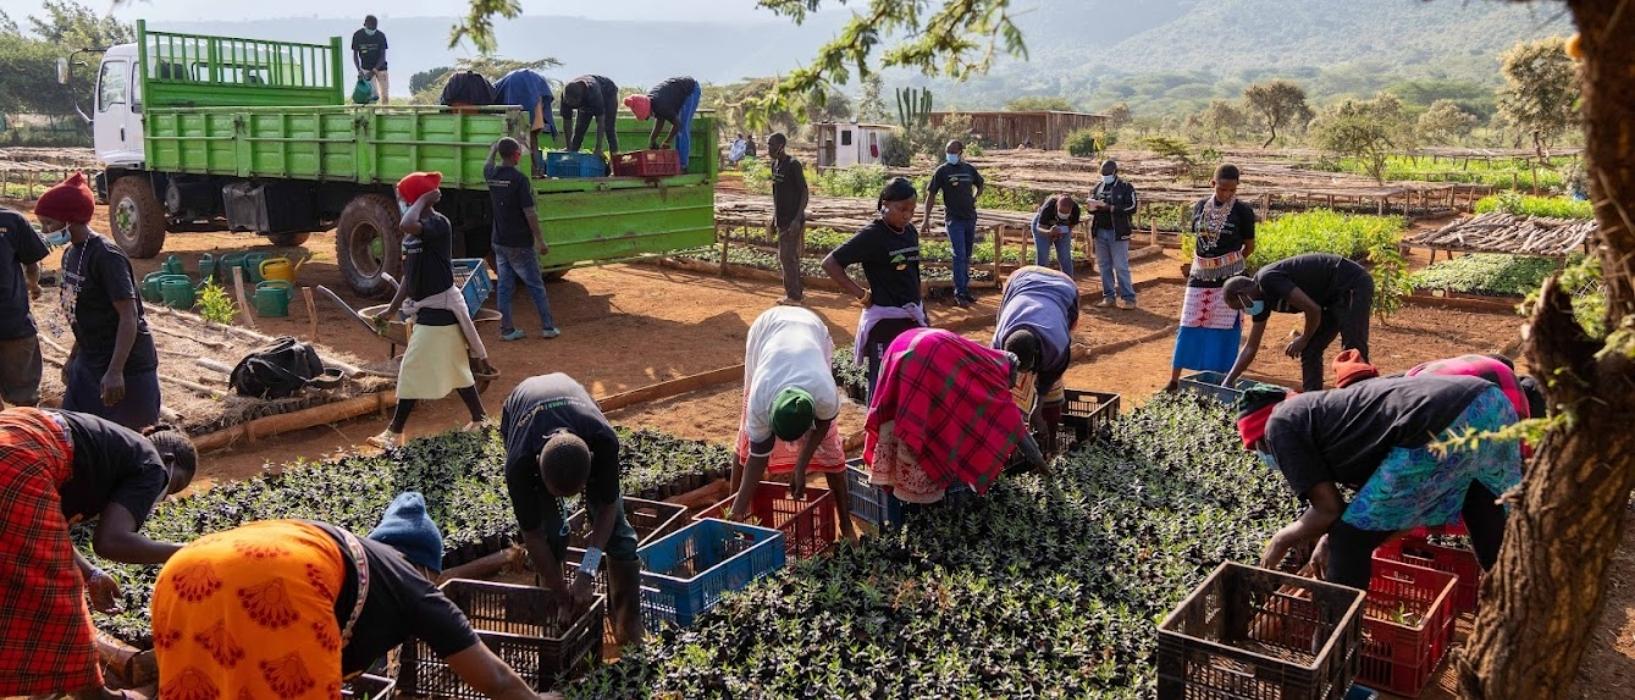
(21,250)
(433,365)
(518,242)
(112,370)
(673,101)
(369,55)
(592,97)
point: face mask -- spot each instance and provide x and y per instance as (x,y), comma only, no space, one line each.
(1255,307)
(1108,179)
(58,238)
(368,31)
(953,158)
(1268,459)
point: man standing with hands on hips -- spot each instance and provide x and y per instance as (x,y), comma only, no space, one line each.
(369,55)
(961,185)
(1113,204)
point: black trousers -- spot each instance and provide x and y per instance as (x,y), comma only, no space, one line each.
(1351,551)
(1348,318)
(880,337)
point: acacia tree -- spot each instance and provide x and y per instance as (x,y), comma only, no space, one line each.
(1540,93)
(1277,103)
(1542,598)
(1223,119)
(1118,115)
(1368,130)
(1445,122)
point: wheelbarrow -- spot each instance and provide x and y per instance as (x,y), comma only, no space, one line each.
(395,331)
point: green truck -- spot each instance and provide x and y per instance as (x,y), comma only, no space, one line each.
(208,133)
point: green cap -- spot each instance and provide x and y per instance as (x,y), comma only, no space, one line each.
(793,413)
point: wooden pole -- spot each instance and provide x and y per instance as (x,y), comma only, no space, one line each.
(238,290)
(724,241)
(312,313)
(998,259)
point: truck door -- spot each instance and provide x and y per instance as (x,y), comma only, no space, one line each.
(117,124)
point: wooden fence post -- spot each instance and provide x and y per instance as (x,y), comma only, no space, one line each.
(724,240)
(998,258)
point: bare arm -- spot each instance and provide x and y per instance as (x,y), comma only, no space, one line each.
(750,480)
(31,272)
(1246,354)
(837,272)
(125,339)
(653,136)
(357,59)
(116,539)
(808,449)
(545,562)
(532,215)
(1314,315)
(1326,508)
(478,666)
(402,294)
(930,201)
(1248,248)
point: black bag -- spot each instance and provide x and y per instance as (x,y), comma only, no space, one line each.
(278,370)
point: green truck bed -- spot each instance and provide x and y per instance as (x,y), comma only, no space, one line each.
(189,128)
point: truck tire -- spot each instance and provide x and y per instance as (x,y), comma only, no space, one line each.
(289,240)
(136,217)
(368,245)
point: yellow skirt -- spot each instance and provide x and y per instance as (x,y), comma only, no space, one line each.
(435,363)
(249,613)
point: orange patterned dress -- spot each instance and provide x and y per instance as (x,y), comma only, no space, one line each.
(249,614)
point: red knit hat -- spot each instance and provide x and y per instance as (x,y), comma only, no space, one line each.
(70,201)
(415,185)
(1349,368)
(641,105)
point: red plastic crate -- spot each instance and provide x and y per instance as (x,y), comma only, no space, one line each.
(1460,562)
(1453,529)
(1398,656)
(649,163)
(808,526)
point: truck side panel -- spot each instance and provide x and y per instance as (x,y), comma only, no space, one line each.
(607,225)
(192,70)
(455,145)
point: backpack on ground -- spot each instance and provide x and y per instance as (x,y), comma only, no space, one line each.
(277,371)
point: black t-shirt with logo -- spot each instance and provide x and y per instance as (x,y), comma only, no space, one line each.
(788,189)
(96,274)
(432,261)
(958,184)
(20,245)
(371,49)
(511,194)
(1325,277)
(538,407)
(890,260)
(112,464)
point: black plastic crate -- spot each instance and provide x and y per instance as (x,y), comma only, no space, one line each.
(1247,632)
(1088,413)
(650,519)
(369,687)
(520,625)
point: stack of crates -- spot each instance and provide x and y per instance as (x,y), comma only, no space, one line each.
(808,526)
(1407,626)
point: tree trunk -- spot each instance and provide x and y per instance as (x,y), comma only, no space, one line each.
(1540,601)
(1271,138)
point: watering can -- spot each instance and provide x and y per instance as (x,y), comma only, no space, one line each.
(272,298)
(153,285)
(226,265)
(207,268)
(177,291)
(280,268)
(173,265)
(252,266)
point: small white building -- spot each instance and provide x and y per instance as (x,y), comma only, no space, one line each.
(843,145)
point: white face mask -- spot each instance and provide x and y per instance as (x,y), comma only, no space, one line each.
(368,31)
(1108,179)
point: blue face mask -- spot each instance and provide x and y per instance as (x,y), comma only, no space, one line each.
(1268,459)
(368,31)
(953,159)
(1108,179)
(1253,308)
(58,238)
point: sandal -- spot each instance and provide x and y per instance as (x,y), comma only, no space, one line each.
(386,440)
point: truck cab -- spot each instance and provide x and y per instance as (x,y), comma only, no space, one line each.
(116,119)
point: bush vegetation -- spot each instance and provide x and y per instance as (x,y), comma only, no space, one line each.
(1361,237)
(1529,205)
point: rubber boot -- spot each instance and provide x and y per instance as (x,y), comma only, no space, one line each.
(624,608)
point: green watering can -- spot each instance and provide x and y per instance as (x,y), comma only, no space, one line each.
(153,285)
(252,266)
(272,298)
(173,266)
(177,291)
(207,268)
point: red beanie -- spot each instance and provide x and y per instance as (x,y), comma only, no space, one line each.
(415,185)
(70,201)
(640,105)
(1349,368)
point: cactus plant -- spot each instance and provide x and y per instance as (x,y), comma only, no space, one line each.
(913,111)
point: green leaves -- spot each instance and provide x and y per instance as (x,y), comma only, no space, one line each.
(1038,589)
(1488,273)
(1530,205)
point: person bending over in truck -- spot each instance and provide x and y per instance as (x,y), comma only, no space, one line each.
(369,55)
(590,97)
(791,405)
(518,242)
(558,445)
(672,102)
(112,370)
(433,365)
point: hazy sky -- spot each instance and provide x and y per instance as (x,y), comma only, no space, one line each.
(176,10)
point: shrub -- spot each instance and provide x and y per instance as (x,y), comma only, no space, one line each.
(1360,237)
(757,175)
(897,152)
(216,305)
(864,181)
(1082,143)
(1529,205)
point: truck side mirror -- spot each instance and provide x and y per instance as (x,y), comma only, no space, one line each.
(62,71)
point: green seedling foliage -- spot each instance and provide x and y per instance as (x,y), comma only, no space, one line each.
(216,305)
(1529,205)
(1037,589)
(1361,237)
(1488,274)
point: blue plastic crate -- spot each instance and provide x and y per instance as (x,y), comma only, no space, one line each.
(868,503)
(688,571)
(1209,384)
(472,276)
(574,164)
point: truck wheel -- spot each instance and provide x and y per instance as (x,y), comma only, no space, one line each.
(136,218)
(367,244)
(289,240)
(555,275)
